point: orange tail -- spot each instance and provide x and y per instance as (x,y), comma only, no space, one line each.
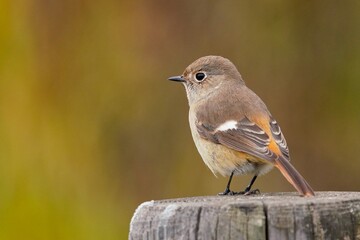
(294,177)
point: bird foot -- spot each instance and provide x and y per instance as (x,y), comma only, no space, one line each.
(227,192)
(248,192)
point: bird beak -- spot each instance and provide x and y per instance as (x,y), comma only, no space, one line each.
(177,79)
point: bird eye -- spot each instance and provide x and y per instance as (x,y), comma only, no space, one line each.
(200,76)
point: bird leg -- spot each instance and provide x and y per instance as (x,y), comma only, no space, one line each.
(227,189)
(247,190)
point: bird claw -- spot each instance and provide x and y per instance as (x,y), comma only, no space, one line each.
(253,192)
(227,192)
(248,192)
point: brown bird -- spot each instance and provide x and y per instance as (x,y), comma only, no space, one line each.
(231,126)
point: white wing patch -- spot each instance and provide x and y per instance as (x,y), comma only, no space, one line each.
(244,136)
(228,125)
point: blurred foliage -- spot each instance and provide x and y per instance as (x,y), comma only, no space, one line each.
(90,128)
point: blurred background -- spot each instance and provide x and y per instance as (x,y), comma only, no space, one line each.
(90,127)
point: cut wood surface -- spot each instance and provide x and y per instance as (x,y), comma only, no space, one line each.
(328,215)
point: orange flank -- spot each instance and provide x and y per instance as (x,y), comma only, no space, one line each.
(274,147)
(264,124)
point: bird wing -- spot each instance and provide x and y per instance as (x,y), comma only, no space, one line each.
(279,138)
(263,139)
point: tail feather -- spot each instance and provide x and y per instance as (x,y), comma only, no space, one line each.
(294,177)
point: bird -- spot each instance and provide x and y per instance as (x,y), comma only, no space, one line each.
(232,128)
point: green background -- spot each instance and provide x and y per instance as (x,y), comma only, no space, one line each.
(90,127)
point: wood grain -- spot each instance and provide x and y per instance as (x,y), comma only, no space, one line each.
(329,215)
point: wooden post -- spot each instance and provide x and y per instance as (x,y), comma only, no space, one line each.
(329,215)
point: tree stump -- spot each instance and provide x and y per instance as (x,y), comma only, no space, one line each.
(328,215)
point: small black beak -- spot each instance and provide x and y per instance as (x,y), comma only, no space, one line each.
(177,79)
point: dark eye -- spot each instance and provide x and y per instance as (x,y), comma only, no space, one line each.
(200,76)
